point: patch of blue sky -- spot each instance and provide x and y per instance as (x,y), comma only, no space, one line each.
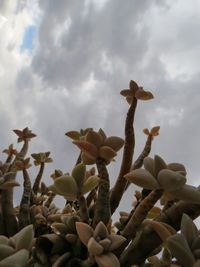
(28,39)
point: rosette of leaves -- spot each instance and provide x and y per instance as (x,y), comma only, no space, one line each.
(169,177)
(97,144)
(137,92)
(185,246)
(70,186)
(24,134)
(100,243)
(15,251)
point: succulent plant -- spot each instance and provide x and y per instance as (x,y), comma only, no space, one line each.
(100,243)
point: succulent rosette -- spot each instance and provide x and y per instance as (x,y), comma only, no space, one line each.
(97,144)
(170,177)
(100,243)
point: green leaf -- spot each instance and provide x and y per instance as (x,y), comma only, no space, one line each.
(115,142)
(79,174)
(187,193)
(170,180)
(66,185)
(159,164)
(189,229)
(23,239)
(75,135)
(17,259)
(6,251)
(142,178)
(90,184)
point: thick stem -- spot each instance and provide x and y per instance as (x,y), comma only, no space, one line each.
(138,251)
(9,220)
(24,211)
(139,161)
(140,213)
(83,208)
(102,206)
(38,178)
(118,190)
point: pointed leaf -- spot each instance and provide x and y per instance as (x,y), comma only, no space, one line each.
(107,260)
(177,167)
(17,259)
(107,152)
(149,165)
(180,249)
(115,142)
(105,243)
(84,231)
(6,251)
(79,174)
(159,164)
(187,193)
(94,248)
(189,229)
(116,241)
(88,148)
(101,231)
(23,239)
(94,138)
(170,180)
(126,92)
(87,160)
(143,95)
(142,178)
(133,87)
(102,134)
(75,135)
(66,185)
(161,229)
(155,131)
(90,184)
(146,131)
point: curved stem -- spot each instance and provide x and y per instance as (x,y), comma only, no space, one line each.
(118,189)
(38,178)
(102,206)
(83,208)
(24,211)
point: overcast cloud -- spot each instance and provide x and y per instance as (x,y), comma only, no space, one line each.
(63,64)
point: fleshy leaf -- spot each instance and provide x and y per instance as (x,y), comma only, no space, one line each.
(180,249)
(159,164)
(115,142)
(94,248)
(143,95)
(161,229)
(66,185)
(87,160)
(142,178)
(17,259)
(149,165)
(75,135)
(88,148)
(170,180)
(107,152)
(146,131)
(177,167)
(155,131)
(90,184)
(116,241)
(107,260)
(23,239)
(126,92)
(188,193)
(94,138)
(84,231)
(6,251)
(101,230)
(133,87)
(78,174)
(189,229)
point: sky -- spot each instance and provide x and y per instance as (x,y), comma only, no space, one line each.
(63,65)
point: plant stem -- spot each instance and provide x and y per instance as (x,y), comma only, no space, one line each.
(118,189)
(102,206)
(140,214)
(24,211)
(83,208)
(139,161)
(38,178)
(138,251)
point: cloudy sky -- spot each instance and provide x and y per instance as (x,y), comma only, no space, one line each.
(63,64)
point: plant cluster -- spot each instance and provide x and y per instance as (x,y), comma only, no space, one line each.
(36,233)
